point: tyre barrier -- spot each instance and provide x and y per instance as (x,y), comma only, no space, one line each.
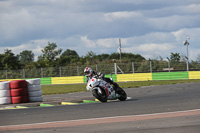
(5,100)
(19,99)
(5,85)
(18,84)
(5,92)
(33,82)
(19,91)
(34,90)
(36,99)
(35,93)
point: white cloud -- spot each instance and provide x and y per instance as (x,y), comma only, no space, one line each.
(149,28)
(155,47)
(151,50)
(107,43)
(115,16)
(88,43)
(34,45)
(193,33)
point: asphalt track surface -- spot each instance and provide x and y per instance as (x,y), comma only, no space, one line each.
(153,109)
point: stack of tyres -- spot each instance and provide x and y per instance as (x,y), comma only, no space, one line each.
(34,90)
(5,92)
(19,91)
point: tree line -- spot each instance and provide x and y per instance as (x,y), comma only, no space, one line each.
(52,56)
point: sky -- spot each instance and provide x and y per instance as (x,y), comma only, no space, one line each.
(152,28)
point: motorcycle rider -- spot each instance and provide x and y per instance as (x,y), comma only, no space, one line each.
(90,73)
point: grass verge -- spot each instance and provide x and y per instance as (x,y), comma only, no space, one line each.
(62,89)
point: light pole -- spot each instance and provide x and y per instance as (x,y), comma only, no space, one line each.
(186,43)
(150,65)
(168,63)
(120,50)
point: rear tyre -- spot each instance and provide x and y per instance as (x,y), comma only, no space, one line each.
(100,96)
(122,93)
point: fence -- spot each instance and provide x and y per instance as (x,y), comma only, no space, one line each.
(111,68)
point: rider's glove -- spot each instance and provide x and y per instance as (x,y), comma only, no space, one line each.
(100,75)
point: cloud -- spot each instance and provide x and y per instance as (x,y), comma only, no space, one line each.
(88,43)
(149,28)
(151,50)
(107,43)
(115,16)
(193,33)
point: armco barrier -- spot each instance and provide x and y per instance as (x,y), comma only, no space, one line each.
(9,79)
(169,75)
(67,80)
(122,77)
(113,76)
(134,77)
(45,81)
(194,75)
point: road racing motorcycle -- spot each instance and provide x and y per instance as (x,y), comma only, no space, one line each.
(104,91)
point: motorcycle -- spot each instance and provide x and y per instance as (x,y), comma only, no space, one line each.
(104,91)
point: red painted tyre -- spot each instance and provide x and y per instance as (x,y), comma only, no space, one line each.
(19,92)
(19,99)
(18,84)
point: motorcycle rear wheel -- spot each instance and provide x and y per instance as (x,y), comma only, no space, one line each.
(101,97)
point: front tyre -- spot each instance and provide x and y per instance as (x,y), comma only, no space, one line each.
(123,95)
(100,96)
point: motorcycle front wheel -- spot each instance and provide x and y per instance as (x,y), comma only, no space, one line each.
(123,95)
(100,96)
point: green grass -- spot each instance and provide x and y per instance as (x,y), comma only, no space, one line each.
(62,89)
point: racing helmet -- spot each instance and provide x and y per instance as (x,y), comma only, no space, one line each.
(88,71)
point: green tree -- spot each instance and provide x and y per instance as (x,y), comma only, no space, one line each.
(133,57)
(175,57)
(50,53)
(198,58)
(69,56)
(26,57)
(114,56)
(71,53)
(9,60)
(127,57)
(91,57)
(103,57)
(1,65)
(40,61)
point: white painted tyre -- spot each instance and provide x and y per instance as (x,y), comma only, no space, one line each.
(34,87)
(35,99)
(5,85)
(33,81)
(5,100)
(35,93)
(4,93)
